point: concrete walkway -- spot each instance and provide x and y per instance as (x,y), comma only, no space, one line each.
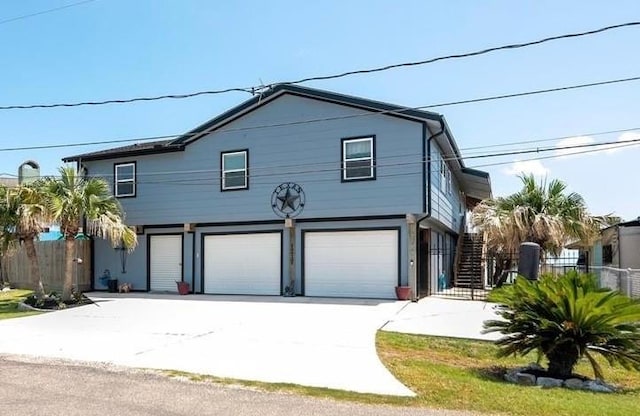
(314,342)
(445,318)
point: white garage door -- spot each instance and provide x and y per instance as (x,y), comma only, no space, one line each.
(243,264)
(165,262)
(359,264)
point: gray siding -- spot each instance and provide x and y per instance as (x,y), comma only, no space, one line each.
(446,208)
(181,187)
(105,257)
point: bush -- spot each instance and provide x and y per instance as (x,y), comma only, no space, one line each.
(566,318)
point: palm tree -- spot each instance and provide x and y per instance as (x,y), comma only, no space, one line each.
(541,213)
(73,199)
(566,318)
(22,215)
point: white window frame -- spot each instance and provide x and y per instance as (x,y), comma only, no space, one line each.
(223,186)
(118,181)
(370,158)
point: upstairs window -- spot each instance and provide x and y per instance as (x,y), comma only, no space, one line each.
(445,177)
(358,159)
(125,179)
(234,170)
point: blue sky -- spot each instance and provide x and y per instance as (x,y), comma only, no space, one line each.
(120,48)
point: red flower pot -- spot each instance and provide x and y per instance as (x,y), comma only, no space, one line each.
(183,288)
(403,292)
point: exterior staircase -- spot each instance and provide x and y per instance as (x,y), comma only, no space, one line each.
(469,271)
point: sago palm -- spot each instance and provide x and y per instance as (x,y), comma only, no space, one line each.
(566,318)
(73,199)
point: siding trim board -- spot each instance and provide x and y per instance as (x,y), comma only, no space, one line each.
(280,221)
(149,256)
(350,229)
(193,261)
(203,251)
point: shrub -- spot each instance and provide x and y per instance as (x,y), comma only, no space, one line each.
(566,318)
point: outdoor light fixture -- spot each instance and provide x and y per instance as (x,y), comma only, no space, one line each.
(124,252)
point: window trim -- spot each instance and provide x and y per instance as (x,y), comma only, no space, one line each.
(223,171)
(133,181)
(343,161)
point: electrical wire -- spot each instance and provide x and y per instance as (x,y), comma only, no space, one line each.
(261,88)
(316,120)
(465,55)
(55,9)
(602,146)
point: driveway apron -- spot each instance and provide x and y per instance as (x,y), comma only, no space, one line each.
(313,342)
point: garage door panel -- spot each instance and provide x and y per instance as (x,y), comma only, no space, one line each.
(165,262)
(351,263)
(243,263)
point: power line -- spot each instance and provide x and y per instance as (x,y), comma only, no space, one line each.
(26,16)
(618,146)
(259,88)
(316,120)
(467,54)
(217,172)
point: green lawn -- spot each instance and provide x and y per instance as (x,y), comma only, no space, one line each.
(460,374)
(9,303)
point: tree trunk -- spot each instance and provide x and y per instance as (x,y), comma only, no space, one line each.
(69,246)
(34,268)
(562,359)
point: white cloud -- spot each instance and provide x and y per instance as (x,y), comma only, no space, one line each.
(624,137)
(534,167)
(571,143)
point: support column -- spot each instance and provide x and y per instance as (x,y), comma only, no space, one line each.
(290,224)
(412,255)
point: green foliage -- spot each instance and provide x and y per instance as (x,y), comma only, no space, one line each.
(566,318)
(542,213)
(72,199)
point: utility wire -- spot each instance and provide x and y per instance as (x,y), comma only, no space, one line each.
(217,172)
(316,120)
(467,54)
(261,88)
(26,16)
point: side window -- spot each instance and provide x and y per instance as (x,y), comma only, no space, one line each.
(234,170)
(125,179)
(358,159)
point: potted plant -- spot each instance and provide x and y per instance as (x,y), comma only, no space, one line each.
(403,292)
(183,287)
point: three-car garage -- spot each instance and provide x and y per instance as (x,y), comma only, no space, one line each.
(329,262)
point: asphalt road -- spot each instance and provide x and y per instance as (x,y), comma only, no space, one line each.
(47,387)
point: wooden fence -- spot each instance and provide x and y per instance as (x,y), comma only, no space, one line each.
(15,268)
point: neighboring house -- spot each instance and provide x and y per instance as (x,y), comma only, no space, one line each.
(8,182)
(385,197)
(618,246)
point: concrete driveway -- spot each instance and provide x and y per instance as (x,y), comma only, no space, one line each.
(314,342)
(445,318)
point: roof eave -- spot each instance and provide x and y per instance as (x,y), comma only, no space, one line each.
(125,153)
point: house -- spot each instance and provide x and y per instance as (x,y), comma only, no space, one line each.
(618,246)
(296,190)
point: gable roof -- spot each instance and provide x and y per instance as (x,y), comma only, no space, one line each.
(251,104)
(328,96)
(476,183)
